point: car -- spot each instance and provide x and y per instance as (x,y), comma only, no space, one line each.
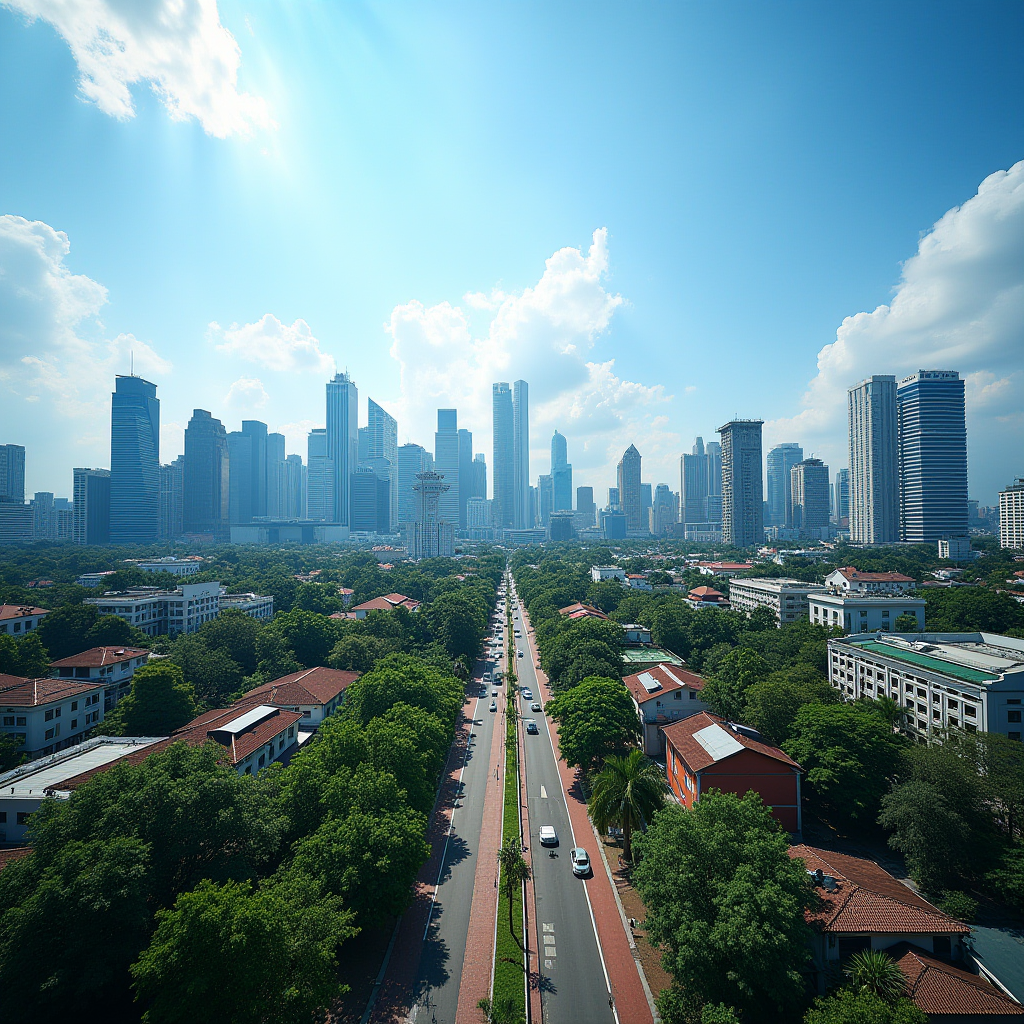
(528,694)
(531,727)
(494,705)
(494,692)
(520,653)
(580,862)
(535,706)
(548,835)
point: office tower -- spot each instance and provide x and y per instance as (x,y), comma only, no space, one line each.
(586,507)
(561,474)
(429,535)
(172,499)
(342,440)
(44,520)
(614,500)
(91,506)
(465,474)
(693,484)
(294,504)
(371,499)
(412,460)
(874,483)
(662,516)
(382,443)
(134,462)
(275,475)
(809,495)
(713,450)
(1011,515)
(503,458)
(247,476)
(12,473)
(842,502)
(532,507)
(779,464)
(478,479)
(446,462)
(545,498)
(363,446)
(630,495)
(205,476)
(742,489)
(320,488)
(646,502)
(521,457)
(932,440)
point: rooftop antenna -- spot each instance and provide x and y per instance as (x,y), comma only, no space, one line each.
(131,362)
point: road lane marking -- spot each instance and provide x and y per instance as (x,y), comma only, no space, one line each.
(548,927)
(543,793)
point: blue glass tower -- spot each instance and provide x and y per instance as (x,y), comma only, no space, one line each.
(134,462)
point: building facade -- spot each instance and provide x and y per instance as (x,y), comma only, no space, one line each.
(172,499)
(46,715)
(787,599)
(778,465)
(12,473)
(742,489)
(1011,515)
(446,463)
(561,474)
(110,667)
(382,443)
(661,695)
(874,479)
(413,459)
(586,507)
(134,462)
(628,479)
(809,496)
(320,478)
(342,440)
(521,461)
(503,458)
(205,476)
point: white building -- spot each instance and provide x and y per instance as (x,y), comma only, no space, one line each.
(112,667)
(256,606)
(972,681)
(862,614)
(19,619)
(600,573)
(47,715)
(314,692)
(849,580)
(637,581)
(1011,515)
(175,566)
(788,599)
(661,695)
(956,549)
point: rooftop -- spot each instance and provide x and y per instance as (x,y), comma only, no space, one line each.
(240,730)
(579,610)
(387,603)
(855,575)
(648,653)
(659,680)
(19,611)
(21,692)
(705,739)
(97,657)
(310,686)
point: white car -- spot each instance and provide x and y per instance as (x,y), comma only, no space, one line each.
(548,835)
(494,705)
(535,706)
(494,692)
(527,694)
(580,862)
(520,653)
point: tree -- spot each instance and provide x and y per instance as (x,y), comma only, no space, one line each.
(627,794)
(277,943)
(596,719)
(309,635)
(874,971)
(113,631)
(727,903)
(26,657)
(63,631)
(514,873)
(403,678)
(236,634)
(905,623)
(211,672)
(358,653)
(159,702)
(458,620)
(771,705)
(501,1010)
(848,1007)
(726,690)
(9,752)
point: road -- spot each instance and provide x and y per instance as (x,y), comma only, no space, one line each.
(574,985)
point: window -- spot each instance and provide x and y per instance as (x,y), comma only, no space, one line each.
(263,760)
(74,705)
(9,720)
(49,715)
(56,712)
(49,734)
(1016,700)
(678,695)
(23,817)
(1013,736)
(693,696)
(1011,716)
(74,723)
(3,817)
(970,711)
(291,732)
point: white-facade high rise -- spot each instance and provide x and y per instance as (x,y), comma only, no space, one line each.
(446,462)
(521,460)
(874,480)
(779,464)
(1011,515)
(342,440)
(413,459)
(503,475)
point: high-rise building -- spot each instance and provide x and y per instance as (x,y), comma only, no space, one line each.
(779,464)
(714,454)
(206,481)
(742,488)
(809,495)
(662,516)
(91,506)
(545,498)
(478,514)
(429,536)
(561,474)
(874,482)
(294,503)
(630,494)
(503,459)
(342,439)
(465,474)
(932,441)
(478,484)
(172,499)
(842,502)
(12,473)
(320,488)
(693,484)
(586,507)
(614,498)
(382,443)
(446,462)
(275,475)
(44,520)
(247,475)
(1011,515)
(646,503)
(412,460)
(134,462)
(521,458)
(370,496)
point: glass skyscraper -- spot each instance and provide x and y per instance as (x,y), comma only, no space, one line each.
(742,489)
(205,485)
(134,462)
(503,464)
(561,474)
(521,455)
(342,439)
(446,462)
(874,483)
(779,463)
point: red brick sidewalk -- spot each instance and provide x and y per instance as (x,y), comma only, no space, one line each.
(631,1004)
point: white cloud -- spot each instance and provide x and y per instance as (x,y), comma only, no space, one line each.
(959,305)
(246,393)
(275,345)
(179,47)
(543,335)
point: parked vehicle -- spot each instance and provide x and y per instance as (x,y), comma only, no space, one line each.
(580,862)
(548,835)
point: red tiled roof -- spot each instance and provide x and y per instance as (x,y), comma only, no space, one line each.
(582,611)
(939,988)
(310,686)
(707,594)
(386,603)
(344,615)
(867,899)
(29,693)
(727,565)
(670,677)
(241,744)
(850,573)
(20,611)
(97,657)
(681,736)
(12,854)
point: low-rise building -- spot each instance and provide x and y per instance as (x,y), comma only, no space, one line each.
(388,603)
(46,715)
(314,692)
(863,613)
(661,695)
(94,579)
(786,598)
(635,633)
(579,610)
(112,667)
(726,569)
(19,619)
(638,657)
(849,580)
(252,737)
(600,573)
(638,581)
(256,606)
(705,752)
(971,681)
(707,597)
(956,549)
(172,565)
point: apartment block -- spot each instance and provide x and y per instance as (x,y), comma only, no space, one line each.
(788,599)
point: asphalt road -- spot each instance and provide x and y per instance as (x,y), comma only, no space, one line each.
(573,986)
(445,937)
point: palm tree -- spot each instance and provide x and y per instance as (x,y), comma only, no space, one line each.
(626,794)
(871,970)
(891,710)
(514,872)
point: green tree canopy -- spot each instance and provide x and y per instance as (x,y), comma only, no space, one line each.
(113,631)
(25,657)
(627,793)
(158,702)
(726,689)
(211,672)
(596,719)
(771,704)
(64,630)
(848,1007)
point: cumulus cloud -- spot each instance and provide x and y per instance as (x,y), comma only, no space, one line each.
(544,335)
(277,346)
(959,305)
(246,393)
(179,47)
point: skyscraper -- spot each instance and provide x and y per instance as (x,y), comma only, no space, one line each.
(714,454)
(412,460)
(874,483)
(275,475)
(91,506)
(663,511)
(465,474)
(561,474)
(545,498)
(429,535)
(780,461)
(932,434)
(247,473)
(172,499)
(12,473)
(693,484)
(630,497)
(478,486)
(370,496)
(382,443)
(134,462)
(521,458)
(205,483)
(842,506)
(446,462)
(503,458)
(586,507)
(342,439)
(294,504)
(742,490)
(320,488)
(809,490)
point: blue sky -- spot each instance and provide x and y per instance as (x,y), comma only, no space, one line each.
(661,215)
